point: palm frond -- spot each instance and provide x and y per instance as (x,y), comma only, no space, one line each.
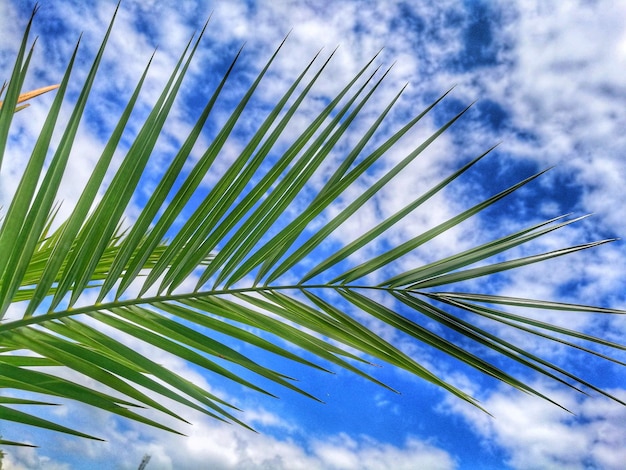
(248,256)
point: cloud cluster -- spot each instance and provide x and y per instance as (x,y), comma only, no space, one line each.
(562,89)
(535,434)
(223,447)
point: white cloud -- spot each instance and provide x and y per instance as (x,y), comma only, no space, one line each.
(28,458)
(345,452)
(217,446)
(564,86)
(536,434)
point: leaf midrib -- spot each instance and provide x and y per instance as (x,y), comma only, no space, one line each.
(87,309)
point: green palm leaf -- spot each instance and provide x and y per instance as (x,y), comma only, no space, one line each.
(248,257)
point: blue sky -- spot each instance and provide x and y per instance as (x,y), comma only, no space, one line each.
(549,82)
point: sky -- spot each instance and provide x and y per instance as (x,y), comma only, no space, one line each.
(548,82)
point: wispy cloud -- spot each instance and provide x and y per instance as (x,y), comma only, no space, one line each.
(535,434)
(223,447)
